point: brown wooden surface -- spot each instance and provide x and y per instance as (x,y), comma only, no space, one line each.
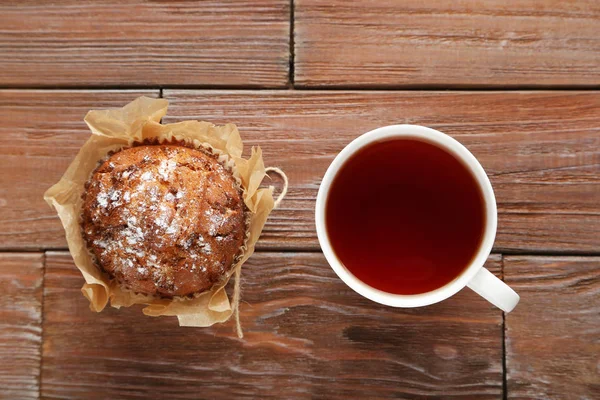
(307,335)
(42,132)
(447,43)
(21,277)
(540,149)
(132,43)
(553,339)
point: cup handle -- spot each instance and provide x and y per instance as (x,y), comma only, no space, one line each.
(494,290)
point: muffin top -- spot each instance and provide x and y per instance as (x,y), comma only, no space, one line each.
(165,220)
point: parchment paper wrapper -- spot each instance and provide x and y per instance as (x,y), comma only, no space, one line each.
(113,130)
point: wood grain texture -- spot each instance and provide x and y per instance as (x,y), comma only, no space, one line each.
(307,335)
(447,43)
(553,336)
(42,132)
(21,278)
(153,43)
(540,149)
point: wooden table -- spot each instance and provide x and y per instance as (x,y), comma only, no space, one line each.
(517,84)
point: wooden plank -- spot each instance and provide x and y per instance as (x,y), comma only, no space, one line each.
(307,335)
(21,278)
(447,43)
(552,346)
(540,149)
(72,43)
(42,132)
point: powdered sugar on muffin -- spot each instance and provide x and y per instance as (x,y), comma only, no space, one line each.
(164,220)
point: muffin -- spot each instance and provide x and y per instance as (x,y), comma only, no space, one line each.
(164,220)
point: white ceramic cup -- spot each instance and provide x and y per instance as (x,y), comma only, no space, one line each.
(479,279)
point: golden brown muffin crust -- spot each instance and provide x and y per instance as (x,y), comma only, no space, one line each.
(164,220)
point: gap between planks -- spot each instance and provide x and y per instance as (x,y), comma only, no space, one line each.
(292,67)
(503,335)
(293,87)
(42,318)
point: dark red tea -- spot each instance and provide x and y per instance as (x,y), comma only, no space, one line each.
(405,216)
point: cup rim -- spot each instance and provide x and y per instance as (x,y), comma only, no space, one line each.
(448,144)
